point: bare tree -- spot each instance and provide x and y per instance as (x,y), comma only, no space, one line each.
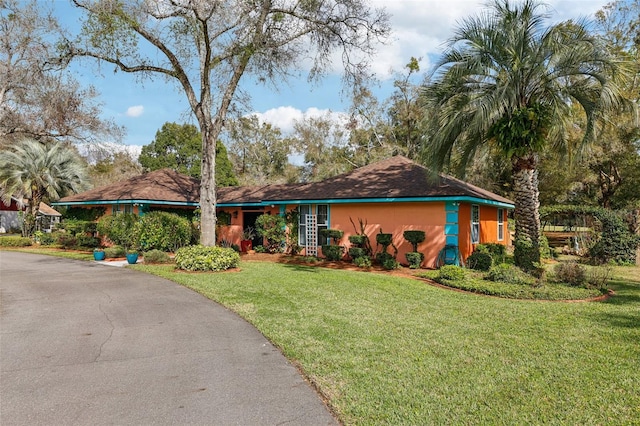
(208,46)
(37,99)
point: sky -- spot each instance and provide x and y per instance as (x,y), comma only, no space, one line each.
(419,29)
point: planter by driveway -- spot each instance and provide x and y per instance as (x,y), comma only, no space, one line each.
(82,343)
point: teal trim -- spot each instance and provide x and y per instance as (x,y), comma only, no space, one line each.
(451,227)
(460,199)
(448,200)
(451,240)
(112,202)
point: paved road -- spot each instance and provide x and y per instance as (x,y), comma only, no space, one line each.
(86,344)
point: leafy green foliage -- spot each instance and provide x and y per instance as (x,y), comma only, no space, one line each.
(415,237)
(357,240)
(616,243)
(522,131)
(179,147)
(273,229)
(332,253)
(120,229)
(83,214)
(526,255)
(334,234)
(510,274)
(114,252)
(33,170)
(414,259)
(67,241)
(450,273)
(384,240)
(15,241)
(156,256)
(163,231)
(201,258)
(355,252)
(362,262)
(480,261)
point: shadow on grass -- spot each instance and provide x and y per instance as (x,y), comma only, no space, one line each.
(300,268)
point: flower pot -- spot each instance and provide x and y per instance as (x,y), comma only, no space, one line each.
(132,258)
(246,245)
(98,255)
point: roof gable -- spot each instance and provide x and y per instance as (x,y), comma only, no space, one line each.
(160,185)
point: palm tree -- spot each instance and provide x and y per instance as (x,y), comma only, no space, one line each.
(508,83)
(31,170)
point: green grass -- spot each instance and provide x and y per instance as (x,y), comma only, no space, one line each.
(392,350)
(68,254)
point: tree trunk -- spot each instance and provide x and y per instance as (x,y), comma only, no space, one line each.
(30,215)
(208,216)
(527,214)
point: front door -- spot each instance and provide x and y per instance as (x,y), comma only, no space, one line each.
(249,221)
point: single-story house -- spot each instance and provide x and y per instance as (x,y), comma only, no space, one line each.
(391,196)
(11,216)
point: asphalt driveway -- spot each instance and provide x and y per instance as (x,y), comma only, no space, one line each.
(86,344)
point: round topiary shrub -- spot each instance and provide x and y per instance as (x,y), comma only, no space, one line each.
(201,258)
(390,264)
(415,237)
(414,259)
(357,240)
(356,252)
(333,234)
(362,262)
(120,229)
(480,261)
(384,239)
(332,253)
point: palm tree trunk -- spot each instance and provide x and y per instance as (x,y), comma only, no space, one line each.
(527,211)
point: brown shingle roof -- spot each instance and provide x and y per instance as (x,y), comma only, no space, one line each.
(160,185)
(396,177)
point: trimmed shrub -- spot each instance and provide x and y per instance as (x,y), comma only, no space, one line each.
(414,259)
(15,241)
(201,258)
(390,264)
(357,240)
(450,273)
(480,261)
(332,253)
(362,262)
(356,252)
(571,273)
(415,237)
(48,239)
(114,251)
(156,256)
(333,234)
(163,231)
(381,258)
(497,251)
(384,239)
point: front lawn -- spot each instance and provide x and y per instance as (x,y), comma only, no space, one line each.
(392,350)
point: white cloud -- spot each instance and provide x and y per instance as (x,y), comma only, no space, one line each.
(284,117)
(135,111)
(421,27)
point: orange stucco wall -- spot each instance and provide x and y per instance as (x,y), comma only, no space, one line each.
(394,219)
(488,228)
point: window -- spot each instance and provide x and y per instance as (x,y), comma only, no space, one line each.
(122,208)
(475,224)
(321,213)
(304,210)
(500,224)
